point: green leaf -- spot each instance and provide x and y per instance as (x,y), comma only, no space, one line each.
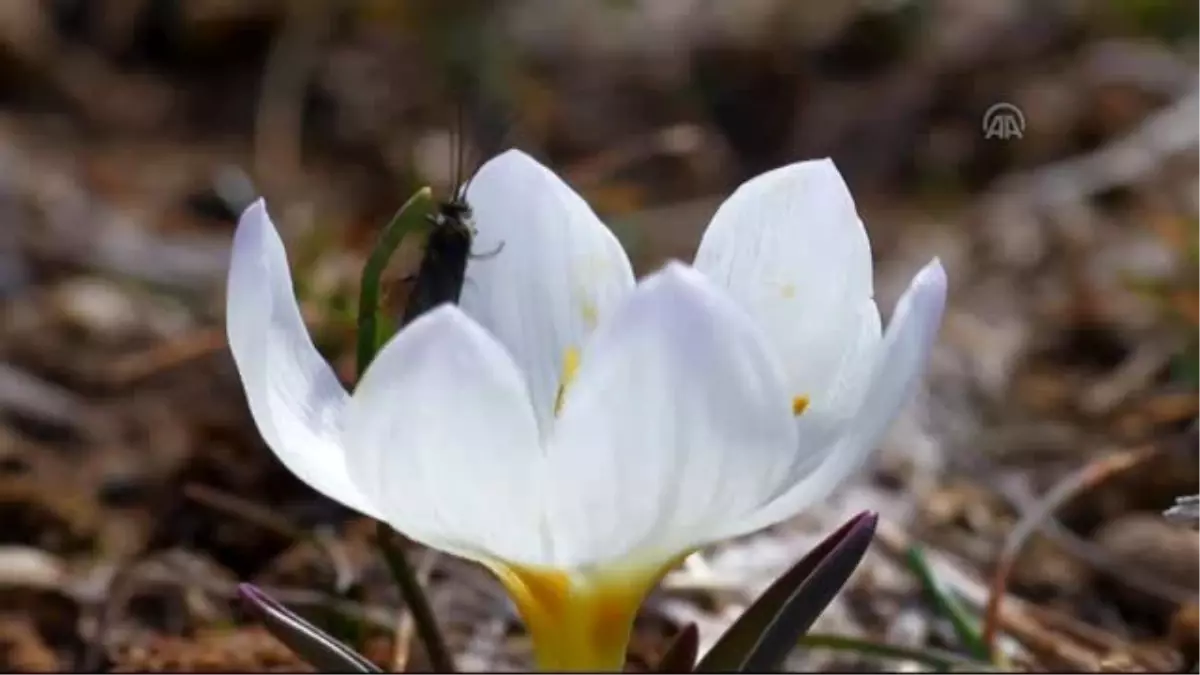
(680,656)
(316,647)
(370,324)
(947,605)
(813,596)
(768,630)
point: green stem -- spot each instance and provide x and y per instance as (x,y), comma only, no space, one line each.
(414,597)
(369,330)
(369,340)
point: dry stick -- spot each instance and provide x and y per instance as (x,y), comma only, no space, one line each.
(263,517)
(1087,477)
(116,591)
(121,584)
(242,508)
(172,572)
(135,367)
(1022,500)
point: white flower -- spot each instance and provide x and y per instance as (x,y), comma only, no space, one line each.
(787,246)
(576,433)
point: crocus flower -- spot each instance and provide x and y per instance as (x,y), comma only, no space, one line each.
(578,433)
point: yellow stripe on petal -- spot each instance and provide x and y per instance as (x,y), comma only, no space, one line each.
(578,623)
(570,366)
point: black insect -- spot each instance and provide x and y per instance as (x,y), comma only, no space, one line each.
(443,268)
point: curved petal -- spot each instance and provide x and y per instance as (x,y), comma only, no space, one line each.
(440,435)
(898,366)
(545,270)
(296,400)
(677,423)
(791,249)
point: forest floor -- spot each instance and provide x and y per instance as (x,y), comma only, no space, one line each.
(1057,423)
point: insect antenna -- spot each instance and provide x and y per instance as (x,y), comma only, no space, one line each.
(458,150)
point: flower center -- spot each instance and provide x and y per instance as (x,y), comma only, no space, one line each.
(577,623)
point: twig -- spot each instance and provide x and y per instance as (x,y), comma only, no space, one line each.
(1087,477)
(1134,373)
(27,394)
(169,570)
(260,516)
(118,590)
(135,367)
(1069,183)
(1022,499)
(243,509)
(935,658)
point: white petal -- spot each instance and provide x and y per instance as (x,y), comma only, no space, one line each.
(677,424)
(791,249)
(559,273)
(296,400)
(899,364)
(440,435)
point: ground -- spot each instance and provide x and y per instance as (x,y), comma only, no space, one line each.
(1059,414)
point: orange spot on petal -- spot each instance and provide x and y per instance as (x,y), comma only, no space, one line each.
(799,405)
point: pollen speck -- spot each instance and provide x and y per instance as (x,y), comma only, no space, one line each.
(799,405)
(788,291)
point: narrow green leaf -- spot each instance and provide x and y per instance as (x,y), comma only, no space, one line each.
(408,218)
(316,647)
(811,598)
(729,653)
(945,603)
(680,656)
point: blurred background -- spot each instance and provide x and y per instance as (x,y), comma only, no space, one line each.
(1046,151)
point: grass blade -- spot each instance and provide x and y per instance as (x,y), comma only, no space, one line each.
(947,605)
(370,327)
